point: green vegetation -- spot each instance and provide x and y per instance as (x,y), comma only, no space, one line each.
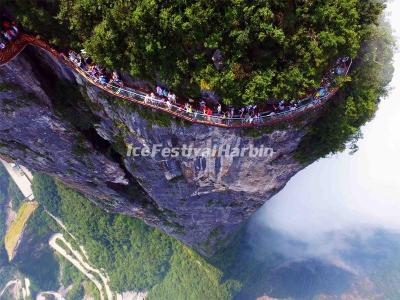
(340,125)
(70,275)
(136,257)
(15,195)
(191,277)
(270,49)
(91,290)
(9,190)
(4,183)
(34,259)
(6,270)
(16,228)
(160,119)
(45,192)
(76,292)
(7,87)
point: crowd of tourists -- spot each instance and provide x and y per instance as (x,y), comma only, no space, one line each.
(8,31)
(194,108)
(166,98)
(96,72)
(251,113)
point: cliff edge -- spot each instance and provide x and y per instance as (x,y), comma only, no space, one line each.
(53,121)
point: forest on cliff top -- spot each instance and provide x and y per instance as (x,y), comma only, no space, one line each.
(273,49)
(269,49)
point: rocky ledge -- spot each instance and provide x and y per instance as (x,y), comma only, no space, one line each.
(54,122)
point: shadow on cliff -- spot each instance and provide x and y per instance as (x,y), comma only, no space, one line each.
(70,103)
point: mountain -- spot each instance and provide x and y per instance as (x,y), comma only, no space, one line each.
(257,264)
(56,122)
(269,264)
(76,133)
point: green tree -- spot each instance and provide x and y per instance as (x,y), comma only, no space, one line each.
(45,192)
(282,47)
(15,194)
(358,102)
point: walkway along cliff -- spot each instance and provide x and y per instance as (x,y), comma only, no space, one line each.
(55,119)
(306,105)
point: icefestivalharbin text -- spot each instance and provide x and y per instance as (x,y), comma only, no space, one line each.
(189,151)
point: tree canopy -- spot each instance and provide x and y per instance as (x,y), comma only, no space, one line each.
(270,49)
(359,99)
(136,256)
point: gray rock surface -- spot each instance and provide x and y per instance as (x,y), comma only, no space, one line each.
(199,200)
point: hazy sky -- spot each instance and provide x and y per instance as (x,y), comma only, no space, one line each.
(348,193)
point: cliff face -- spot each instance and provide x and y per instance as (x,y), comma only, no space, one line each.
(53,121)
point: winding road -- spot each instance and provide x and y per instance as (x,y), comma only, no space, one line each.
(10,283)
(78,259)
(79,262)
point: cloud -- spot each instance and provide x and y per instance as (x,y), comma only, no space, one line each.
(344,197)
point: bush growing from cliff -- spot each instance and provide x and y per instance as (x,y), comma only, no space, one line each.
(340,126)
(45,191)
(270,49)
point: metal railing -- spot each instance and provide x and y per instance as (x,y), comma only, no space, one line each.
(195,116)
(310,103)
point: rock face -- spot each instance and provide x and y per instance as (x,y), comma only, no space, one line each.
(53,121)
